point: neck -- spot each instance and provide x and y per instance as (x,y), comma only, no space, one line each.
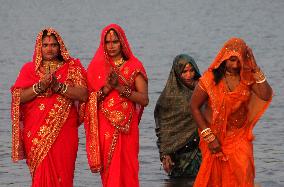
(227,73)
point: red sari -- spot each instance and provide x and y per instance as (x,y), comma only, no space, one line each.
(115,119)
(234,115)
(45,130)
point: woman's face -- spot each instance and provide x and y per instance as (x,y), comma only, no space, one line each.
(112,44)
(233,65)
(50,48)
(187,75)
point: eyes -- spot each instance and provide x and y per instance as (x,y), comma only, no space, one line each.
(113,42)
(51,45)
(188,70)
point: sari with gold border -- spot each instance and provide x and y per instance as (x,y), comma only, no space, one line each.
(45,130)
(233,117)
(115,119)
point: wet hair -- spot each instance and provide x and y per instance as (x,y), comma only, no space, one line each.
(219,72)
(44,34)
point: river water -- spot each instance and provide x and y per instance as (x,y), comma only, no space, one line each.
(157,31)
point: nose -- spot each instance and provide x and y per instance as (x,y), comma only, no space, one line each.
(235,64)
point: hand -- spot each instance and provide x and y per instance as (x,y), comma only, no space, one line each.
(45,82)
(214,146)
(112,79)
(167,163)
(251,61)
(54,84)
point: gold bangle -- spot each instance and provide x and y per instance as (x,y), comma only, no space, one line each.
(126,92)
(64,90)
(261,81)
(210,138)
(34,89)
(259,76)
(205,132)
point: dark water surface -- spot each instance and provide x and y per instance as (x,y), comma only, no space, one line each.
(157,31)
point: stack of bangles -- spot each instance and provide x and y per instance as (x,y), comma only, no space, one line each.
(62,88)
(37,88)
(259,76)
(126,92)
(208,135)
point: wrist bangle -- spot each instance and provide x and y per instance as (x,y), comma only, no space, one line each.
(126,92)
(261,81)
(34,89)
(64,89)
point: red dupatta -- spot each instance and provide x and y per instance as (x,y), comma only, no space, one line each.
(118,110)
(36,124)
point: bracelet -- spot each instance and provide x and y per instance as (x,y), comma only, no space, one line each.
(64,88)
(210,138)
(35,89)
(259,77)
(205,132)
(126,92)
(261,81)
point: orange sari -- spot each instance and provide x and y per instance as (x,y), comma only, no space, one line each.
(115,119)
(234,115)
(45,130)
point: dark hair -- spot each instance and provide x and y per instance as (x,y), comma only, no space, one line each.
(219,72)
(122,53)
(44,34)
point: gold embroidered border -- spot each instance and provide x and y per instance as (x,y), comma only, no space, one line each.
(55,120)
(94,155)
(115,118)
(112,147)
(17,143)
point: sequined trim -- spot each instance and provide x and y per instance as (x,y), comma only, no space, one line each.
(118,119)
(112,147)
(75,75)
(17,143)
(38,47)
(93,134)
(48,132)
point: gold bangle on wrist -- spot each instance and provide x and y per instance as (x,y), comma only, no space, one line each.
(259,77)
(126,92)
(64,89)
(34,89)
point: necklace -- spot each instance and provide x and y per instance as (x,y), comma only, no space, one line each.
(51,66)
(227,83)
(119,62)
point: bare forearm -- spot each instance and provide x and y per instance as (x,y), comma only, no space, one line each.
(262,90)
(137,97)
(27,95)
(198,117)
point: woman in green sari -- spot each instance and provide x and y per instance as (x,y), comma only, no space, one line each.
(175,128)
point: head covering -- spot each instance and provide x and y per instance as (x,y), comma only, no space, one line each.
(101,63)
(26,78)
(37,57)
(174,123)
(236,47)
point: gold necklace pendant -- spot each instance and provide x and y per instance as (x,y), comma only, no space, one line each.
(119,62)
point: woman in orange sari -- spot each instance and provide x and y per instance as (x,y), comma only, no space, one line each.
(44,116)
(118,93)
(235,93)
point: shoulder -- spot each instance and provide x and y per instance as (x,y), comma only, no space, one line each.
(28,67)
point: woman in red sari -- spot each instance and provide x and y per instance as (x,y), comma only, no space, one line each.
(44,116)
(118,92)
(236,94)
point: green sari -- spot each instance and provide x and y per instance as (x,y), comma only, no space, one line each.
(175,128)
